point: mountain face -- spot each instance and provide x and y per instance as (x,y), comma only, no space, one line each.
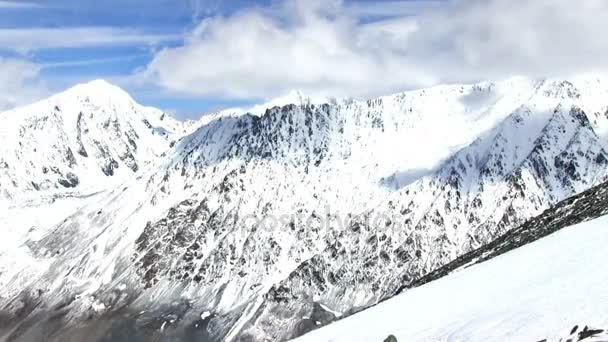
(268,225)
(80,139)
(542,281)
(588,205)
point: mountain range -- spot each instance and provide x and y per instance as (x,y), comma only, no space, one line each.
(122,223)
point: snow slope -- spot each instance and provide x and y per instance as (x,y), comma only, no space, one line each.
(538,291)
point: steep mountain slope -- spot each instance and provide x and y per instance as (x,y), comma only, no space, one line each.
(273,224)
(546,150)
(588,205)
(83,138)
(515,288)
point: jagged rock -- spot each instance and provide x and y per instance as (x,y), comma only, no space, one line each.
(390,338)
(70,181)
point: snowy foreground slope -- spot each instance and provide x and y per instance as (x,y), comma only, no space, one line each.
(550,289)
(269,224)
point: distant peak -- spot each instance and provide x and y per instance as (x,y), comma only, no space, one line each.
(98,84)
(98,89)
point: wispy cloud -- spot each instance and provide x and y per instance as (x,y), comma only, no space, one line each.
(394,8)
(29,39)
(202,8)
(19,83)
(90,62)
(20,5)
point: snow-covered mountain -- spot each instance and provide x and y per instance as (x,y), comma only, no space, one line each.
(513,289)
(271,224)
(80,139)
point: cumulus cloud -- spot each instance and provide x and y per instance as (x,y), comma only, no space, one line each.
(327,47)
(19,83)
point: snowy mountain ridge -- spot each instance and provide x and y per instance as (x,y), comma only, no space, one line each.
(277,223)
(80,138)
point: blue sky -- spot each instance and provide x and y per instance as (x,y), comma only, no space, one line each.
(63,66)
(192,56)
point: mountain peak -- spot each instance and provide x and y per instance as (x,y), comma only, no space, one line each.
(97,84)
(98,89)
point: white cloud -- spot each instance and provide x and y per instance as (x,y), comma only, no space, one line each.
(19,83)
(28,39)
(324,47)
